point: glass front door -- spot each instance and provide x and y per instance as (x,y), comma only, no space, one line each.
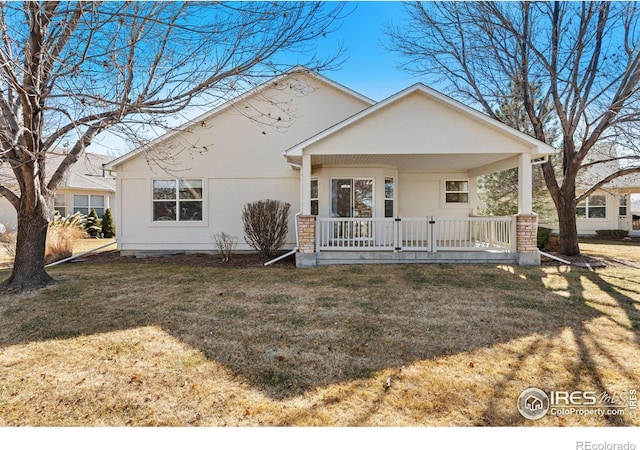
(352,197)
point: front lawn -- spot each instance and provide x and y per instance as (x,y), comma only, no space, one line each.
(164,342)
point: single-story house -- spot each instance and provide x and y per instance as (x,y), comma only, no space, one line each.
(87,186)
(388,181)
(613,206)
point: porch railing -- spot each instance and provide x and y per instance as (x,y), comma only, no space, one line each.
(415,234)
(475,233)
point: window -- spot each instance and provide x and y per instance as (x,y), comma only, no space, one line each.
(96,202)
(59,204)
(593,207)
(83,204)
(314,196)
(456,191)
(177,200)
(622,207)
(389,196)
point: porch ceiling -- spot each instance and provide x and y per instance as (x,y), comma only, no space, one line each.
(436,162)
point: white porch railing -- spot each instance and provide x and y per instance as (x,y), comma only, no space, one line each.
(475,233)
(355,233)
(415,234)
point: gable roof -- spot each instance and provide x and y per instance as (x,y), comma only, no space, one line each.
(85,174)
(229,104)
(612,163)
(88,173)
(541,149)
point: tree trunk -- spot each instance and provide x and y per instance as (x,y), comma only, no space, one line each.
(568,225)
(28,267)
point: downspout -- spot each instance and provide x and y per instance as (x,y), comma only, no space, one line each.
(268,263)
(564,261)
(71,258)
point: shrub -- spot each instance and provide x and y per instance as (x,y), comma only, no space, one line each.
(226,244)
(544,234)
(266,225)
(615,234)
(108,227)
(553,245)
(62,234)
(92,224)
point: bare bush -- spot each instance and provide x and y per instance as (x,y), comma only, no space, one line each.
(226,244)
(62,235)
(266,225)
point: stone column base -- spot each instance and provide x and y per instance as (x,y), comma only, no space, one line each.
(305,259)
(306,234)
(528,258)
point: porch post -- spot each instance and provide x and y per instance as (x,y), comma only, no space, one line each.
(306,255)
(527,240)
(525,188)
(305,189)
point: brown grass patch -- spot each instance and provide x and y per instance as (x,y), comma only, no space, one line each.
(118,343)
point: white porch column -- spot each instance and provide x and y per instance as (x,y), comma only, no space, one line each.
(525,188)
(473,194)
(305,189)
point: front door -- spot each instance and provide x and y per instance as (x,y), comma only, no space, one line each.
(352,198)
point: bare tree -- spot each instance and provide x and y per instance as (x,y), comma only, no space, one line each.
(69,71)
(584,57)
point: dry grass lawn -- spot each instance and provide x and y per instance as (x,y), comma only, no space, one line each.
(154,342)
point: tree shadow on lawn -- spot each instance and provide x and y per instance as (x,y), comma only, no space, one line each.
(599,344)
(287,332)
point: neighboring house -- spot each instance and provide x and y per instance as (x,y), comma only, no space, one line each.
(613,206)
(367,182)
(85,187)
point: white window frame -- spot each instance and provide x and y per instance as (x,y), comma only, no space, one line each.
(89,207)
(585,204)
(391,199)
(623,198)
(60,206)
(178,200)
(468,191)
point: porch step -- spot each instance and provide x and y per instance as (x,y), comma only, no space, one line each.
(356,257)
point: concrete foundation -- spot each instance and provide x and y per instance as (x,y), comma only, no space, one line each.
(528,258)
(306,259)
(355,257)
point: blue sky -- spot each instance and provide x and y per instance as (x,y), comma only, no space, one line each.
(368,68)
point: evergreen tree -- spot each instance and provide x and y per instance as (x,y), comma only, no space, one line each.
(92,225)
(500,189)
(108,227)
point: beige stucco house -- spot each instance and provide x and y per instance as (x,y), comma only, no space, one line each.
(87,186)
(389,181)
(612,207)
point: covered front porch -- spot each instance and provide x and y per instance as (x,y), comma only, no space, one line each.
(432,239)
(414,240)
(428,234)
(398,182)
